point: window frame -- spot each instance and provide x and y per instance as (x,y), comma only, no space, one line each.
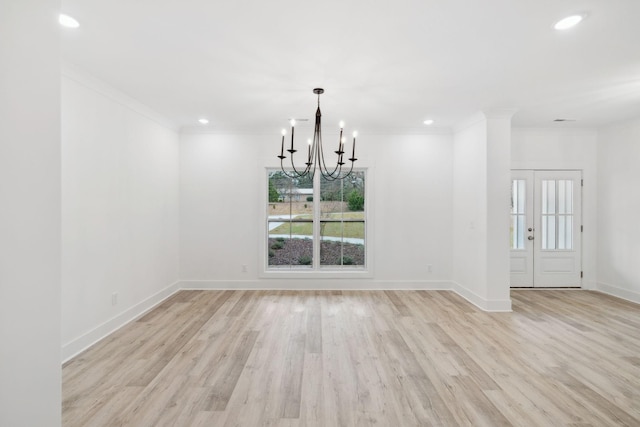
(317,270)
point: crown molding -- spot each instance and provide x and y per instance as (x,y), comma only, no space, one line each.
(619,125)
(547,129)
(82,77)
(483,116)
(470,121)
(500,113)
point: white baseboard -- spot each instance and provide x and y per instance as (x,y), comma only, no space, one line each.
(318,284)
(78,345)
(633,296)
(478,301)
(351,285)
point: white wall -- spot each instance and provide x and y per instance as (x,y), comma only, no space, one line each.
(222,208)
(29,214)
(119,209)
(566,149)
(470,209)
(618,211)
(480,210)
(498,208)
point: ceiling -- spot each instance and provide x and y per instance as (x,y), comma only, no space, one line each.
(386,66)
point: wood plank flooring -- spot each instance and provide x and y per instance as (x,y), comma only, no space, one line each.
(363,358)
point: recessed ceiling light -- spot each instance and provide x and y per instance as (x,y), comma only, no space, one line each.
(67,21)
(203,121)
(428,122)
(568,22)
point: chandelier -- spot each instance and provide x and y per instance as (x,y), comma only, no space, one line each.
(315,152)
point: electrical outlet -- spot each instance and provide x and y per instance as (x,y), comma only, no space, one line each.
(428,268)
(244,268)
(114,298)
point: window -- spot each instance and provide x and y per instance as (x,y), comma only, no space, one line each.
(316,225)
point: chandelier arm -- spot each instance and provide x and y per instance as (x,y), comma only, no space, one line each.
(337,176)
(321,163)
(345,176)
(334,177)
(331,176)
(315,154)
(285,172)
(348,173)
(335,173)
(295,173)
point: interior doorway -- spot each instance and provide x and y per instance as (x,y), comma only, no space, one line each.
(546,228)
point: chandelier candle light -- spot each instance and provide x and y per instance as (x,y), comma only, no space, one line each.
(315,154)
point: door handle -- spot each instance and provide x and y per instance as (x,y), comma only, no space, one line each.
(530,237)
(530,229)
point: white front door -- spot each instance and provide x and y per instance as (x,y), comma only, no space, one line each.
(546,228)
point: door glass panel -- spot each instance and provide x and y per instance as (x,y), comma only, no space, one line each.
(569,233)
(548,197)
(561,231)
(557,214)
(517,213)
(548,232)
(565,196)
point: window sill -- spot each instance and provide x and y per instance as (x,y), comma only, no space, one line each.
(316,274)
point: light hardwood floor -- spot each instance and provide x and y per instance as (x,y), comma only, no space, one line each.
(360,358)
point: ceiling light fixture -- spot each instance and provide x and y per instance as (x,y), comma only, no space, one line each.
(67,21)
(428,122)
(203,121)
(315,152)
(568,22)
